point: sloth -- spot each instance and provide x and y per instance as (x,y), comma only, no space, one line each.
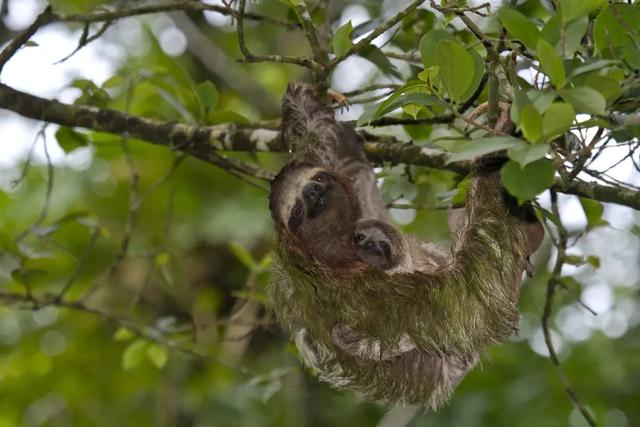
(382,246)
(370,308)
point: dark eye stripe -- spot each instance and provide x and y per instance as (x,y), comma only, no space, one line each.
(295,219)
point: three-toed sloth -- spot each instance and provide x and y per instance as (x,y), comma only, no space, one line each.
(372,309)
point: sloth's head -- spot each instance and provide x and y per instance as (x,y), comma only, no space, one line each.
(315,212)
(379,245)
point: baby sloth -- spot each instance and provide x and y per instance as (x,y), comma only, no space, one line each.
(381,246)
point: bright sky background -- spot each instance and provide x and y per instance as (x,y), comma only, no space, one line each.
(35,70)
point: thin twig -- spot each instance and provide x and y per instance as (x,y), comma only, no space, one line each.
(554,280)
(86,39)
(319,54)
(47,198)
(412,57)
(249,57)
(362,44)
(88,251)
(19,41)
(27,163)
(371,88)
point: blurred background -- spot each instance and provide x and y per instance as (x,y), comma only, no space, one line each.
(171,256)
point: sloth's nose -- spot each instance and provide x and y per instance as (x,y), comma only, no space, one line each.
(313,191)
(368,245)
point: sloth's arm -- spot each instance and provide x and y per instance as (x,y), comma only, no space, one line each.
(472,301)
(309,127)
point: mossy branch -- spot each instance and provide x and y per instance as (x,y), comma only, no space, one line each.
(205,142)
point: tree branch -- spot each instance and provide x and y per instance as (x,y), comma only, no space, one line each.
(358,47)
(554,281)
(249,57)
(168,6)
(203,142)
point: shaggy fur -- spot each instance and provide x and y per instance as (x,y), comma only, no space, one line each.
(402,337)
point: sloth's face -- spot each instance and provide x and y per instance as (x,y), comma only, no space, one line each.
(377,244)
(317,208)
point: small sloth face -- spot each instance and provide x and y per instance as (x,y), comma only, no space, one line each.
(377,244)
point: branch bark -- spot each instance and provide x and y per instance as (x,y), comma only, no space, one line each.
(203,142)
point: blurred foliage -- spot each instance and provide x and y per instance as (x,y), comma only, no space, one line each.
(170,256)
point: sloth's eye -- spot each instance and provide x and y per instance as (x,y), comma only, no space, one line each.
(386,248)
(320,177)
(297,210)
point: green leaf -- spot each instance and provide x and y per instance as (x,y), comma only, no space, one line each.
(572,9)
(481,146)
(593,210)
(520,26)
(380,60)
(573,33)
(252,296)
(407,98)
(478,73)
(114,81)
(456,67)
(227,116)
(243,255)
(526,183)
(123,334)
(528,153)
(630,53)
(590,66)
(67,7)
(8,244)
(531,123)
(557,119)
(69,139)
(30,43)
(574,260)
(412,110)
(520,101)
(428,45)
(265,263)
(551,63)
(162,259)
(585,100)
(157,355)
(208,95)
(342,39)
(608,87)
(542,99)
(49,265)
(368,115)
(429,74)
(610,30)
(594,261)
(134,354)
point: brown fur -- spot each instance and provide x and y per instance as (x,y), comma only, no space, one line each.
(407,334)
